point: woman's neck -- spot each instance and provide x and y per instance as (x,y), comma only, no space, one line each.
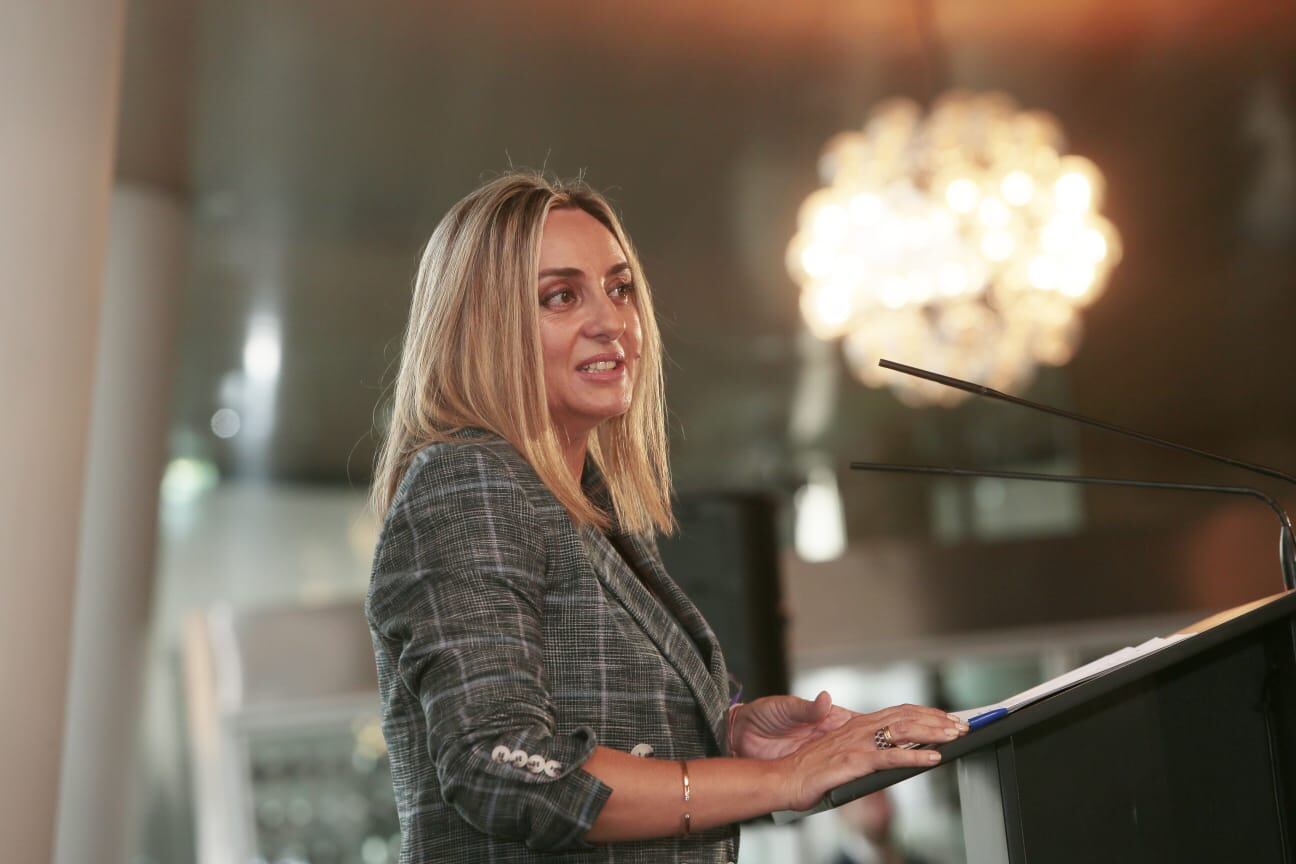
(574,456)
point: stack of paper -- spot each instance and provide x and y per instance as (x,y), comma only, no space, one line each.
(1090,670)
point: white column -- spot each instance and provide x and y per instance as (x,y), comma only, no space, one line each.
(147,233)
(59,68)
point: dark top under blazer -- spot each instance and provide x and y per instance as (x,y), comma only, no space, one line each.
(508,644)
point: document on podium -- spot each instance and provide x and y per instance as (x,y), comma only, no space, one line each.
(1102,665)
(1114,660)
(989,713)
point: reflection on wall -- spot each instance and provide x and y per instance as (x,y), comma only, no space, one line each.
(287,758)
(234,547)
(323,797)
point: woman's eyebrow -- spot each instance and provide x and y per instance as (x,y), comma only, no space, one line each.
(565,272)
(573,272)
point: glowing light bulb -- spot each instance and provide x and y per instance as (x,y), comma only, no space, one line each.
(1017,188)
(1093,244)
(893,291)
(830,221)
(1042,272)
(827,308)
(962,195)
(993,213)
(865,208)
(817,261)
(953,280)
(1077,186)
(998,245)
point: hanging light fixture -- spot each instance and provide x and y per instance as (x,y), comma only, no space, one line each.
(962,240)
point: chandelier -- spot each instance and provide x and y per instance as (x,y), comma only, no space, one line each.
(963,240)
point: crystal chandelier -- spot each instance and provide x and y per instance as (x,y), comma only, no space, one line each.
(962,240)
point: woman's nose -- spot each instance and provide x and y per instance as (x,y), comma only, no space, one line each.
(605,320)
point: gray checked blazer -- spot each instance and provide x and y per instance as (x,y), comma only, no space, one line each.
(508,645)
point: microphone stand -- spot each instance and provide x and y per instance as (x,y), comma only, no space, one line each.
(980,390)
(1286,535)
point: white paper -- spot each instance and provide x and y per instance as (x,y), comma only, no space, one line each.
(1075,676)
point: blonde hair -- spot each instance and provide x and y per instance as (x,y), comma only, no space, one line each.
(471,356)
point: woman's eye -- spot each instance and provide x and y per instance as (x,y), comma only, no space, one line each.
(623,291)
(561,297)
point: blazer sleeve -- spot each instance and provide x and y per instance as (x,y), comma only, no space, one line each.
(459,599)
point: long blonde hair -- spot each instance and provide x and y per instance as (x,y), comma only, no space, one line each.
(471,356)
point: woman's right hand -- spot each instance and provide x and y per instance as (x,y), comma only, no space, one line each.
(850,752)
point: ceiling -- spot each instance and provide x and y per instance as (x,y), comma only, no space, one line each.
(319,142)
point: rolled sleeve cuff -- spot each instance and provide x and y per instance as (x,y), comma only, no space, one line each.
(582,799)
(536,789)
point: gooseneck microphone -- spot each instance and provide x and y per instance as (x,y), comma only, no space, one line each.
(979,390)
(1082,481)
(1286,537)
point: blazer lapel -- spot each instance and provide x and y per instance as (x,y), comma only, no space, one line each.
(649,564)
(699,670)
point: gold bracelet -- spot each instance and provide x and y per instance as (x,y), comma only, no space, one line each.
(688,793)
(733,712)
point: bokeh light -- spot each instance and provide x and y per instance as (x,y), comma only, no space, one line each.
(963,240)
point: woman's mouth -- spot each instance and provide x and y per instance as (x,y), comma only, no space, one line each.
(602,369)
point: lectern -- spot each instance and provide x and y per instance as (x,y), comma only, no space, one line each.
(1186,755)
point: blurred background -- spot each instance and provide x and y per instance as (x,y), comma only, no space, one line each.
(213,217)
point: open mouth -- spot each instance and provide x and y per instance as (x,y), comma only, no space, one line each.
(601,366)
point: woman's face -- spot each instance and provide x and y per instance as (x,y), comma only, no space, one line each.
(589,322)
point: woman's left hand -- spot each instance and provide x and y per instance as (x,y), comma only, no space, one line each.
(777,726)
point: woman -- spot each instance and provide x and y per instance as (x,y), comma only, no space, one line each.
(548,693)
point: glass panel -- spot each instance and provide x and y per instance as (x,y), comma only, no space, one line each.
(322,796)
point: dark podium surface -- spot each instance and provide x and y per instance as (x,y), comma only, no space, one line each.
(1185,755)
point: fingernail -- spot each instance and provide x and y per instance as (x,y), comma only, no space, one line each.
(955,718)
(950,733)
(933,756)
(963,727)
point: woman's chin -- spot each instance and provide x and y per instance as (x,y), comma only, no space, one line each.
(611,413)
(586,418)
(610,406)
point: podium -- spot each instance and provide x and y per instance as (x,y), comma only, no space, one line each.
(1185,755)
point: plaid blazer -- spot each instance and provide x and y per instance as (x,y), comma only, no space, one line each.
(508,645)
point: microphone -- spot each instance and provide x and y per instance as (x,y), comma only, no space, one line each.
(1286,537)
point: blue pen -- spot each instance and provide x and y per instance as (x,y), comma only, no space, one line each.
(986,719)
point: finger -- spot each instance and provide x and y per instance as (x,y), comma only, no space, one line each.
(924,733)
(915,711)
(923,729)
(912,712)
(940,723)
(883,759)
(806,711)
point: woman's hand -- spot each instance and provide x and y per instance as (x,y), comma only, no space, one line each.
(777,726)
(829,757)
